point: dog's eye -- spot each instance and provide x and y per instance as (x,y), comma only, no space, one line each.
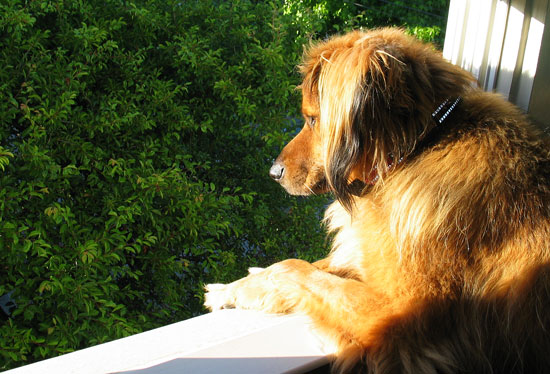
(311,121)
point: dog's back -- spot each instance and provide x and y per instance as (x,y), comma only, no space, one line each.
(461,231)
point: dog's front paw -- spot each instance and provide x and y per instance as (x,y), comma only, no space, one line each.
(276,289)
(223,296)
(217,296)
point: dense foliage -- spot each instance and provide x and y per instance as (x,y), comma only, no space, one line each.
(135,141)
(426,19)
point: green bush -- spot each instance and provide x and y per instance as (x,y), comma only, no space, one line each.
(426,19)
(135,143)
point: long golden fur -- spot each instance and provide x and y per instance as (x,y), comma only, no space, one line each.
(441,253)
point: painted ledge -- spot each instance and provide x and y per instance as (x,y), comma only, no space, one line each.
(228,341)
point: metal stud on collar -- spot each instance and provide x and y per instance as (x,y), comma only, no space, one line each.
(444,106)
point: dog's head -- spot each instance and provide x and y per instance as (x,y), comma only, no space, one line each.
(367,100)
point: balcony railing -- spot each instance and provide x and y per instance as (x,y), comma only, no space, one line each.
(228,341)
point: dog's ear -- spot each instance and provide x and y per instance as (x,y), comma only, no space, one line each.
(362,91)
(376,93)
(403,82)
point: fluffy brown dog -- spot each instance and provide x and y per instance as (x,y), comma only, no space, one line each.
(441,253)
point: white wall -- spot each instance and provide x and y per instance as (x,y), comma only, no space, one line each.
(505,45)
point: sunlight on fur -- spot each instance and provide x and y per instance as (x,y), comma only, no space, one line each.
(441,247)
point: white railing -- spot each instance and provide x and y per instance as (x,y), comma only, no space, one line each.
(228,341)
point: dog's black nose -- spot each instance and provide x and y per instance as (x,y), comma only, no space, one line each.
(277,171)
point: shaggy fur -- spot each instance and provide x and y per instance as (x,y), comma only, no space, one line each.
(440,261)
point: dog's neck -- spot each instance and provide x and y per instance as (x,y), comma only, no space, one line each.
(373,176)
(440,114)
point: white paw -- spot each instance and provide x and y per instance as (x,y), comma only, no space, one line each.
(216,297)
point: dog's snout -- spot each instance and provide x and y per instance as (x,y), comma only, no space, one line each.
(277,171)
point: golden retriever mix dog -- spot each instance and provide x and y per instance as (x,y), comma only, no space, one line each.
(441,224)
